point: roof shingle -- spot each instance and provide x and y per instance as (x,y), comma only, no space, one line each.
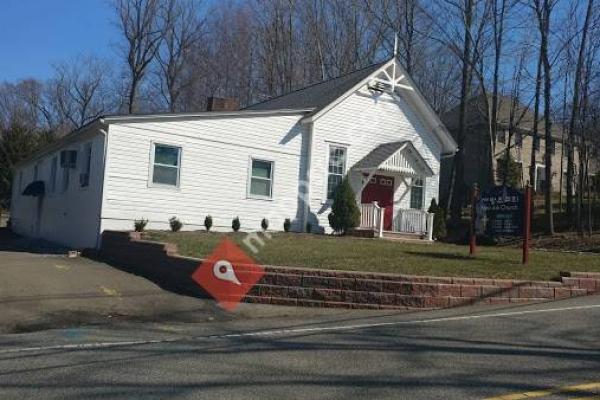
(318,95)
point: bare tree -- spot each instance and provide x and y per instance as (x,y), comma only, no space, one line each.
(543,11)
(139,22)
(78,93)
(182,30)
(575,113)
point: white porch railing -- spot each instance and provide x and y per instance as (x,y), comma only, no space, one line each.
(405,221)
(371,217)
(410,221)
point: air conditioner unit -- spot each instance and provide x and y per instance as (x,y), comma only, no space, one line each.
(68,159)
(84,179)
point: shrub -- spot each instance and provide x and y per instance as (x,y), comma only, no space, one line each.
(140,224)
(439,220)
(287,225)
(208,223)
(264,224)
(235,224)
(345,214)
(175,223)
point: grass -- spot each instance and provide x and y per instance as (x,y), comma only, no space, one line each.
(348,253)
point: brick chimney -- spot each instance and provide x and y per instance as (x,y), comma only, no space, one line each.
(222,104)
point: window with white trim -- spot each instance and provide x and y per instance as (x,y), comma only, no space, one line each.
(261,178)
(336,169)
(166,163)
(416,194)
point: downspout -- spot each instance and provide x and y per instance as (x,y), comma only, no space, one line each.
(306,194)
(99,233)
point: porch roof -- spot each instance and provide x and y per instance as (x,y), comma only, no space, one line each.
(400,157)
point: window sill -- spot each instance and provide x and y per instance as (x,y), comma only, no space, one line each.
(263,198)
(164,187)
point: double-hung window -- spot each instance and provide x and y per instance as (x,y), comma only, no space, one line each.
(166,163)
(336,169)
(416,194)
(261,179)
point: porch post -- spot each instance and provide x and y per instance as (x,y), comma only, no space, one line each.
(381,212)
(430,217)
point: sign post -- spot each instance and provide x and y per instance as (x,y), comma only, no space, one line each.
(526,224)
(472,232)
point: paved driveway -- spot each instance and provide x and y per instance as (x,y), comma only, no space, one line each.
(42,291)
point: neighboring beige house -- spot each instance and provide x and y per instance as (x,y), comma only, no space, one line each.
(477,144)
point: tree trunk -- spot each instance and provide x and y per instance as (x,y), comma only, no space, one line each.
(536,117)
(575,114)
(459,168)
(547,117)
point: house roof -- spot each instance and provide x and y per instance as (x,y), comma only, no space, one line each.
(379,154)
(323,96)
(318,95)
(201,115)
(477,115)
(384,152)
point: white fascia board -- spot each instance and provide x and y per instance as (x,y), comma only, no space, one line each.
(202,115)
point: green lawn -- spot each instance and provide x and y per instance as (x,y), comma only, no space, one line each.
(348,253)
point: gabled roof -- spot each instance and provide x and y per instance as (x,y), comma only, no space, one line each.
(318,95)
(399,156)
(322,97)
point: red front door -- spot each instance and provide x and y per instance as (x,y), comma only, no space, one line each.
(381,189)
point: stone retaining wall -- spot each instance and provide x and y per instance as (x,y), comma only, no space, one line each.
(330,288)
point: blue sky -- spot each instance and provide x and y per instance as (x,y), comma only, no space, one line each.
(34,34)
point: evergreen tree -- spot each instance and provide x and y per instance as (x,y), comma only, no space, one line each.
(439,220)
(345,214)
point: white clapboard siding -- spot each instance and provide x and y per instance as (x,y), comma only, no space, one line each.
(70,218)
(214,175)
(362,122)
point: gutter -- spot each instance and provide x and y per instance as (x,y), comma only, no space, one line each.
(202,115)
(104,158)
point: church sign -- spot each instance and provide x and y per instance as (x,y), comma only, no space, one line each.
(500,212)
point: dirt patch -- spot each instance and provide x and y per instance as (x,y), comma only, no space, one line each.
(568,242)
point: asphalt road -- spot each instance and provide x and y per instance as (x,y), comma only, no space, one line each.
(536,351)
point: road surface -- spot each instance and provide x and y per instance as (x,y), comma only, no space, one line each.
(546,351)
